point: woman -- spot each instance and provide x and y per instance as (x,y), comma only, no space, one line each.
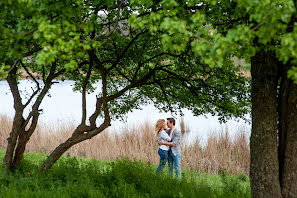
(163,149)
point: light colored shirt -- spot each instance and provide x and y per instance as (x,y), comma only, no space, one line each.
(176,136)
(165,138)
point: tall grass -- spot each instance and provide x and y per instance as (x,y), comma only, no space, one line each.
(220,153)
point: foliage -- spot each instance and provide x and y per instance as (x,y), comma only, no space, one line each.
(66,32)
(218,30)
(79,177)
(139,53)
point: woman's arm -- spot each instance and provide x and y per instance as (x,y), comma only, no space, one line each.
(174,142)
(165,136)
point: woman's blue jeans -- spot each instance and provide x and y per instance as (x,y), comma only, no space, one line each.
(163,159)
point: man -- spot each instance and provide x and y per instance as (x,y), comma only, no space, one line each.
(174,155)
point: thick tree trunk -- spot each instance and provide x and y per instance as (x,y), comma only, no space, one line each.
(263,142)
(283,116)
(289,171)
(24,137)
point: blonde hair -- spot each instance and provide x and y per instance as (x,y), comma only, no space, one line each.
(159,125)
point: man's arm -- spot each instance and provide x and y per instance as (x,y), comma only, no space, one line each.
(174,142)
(176,139)
(167,143)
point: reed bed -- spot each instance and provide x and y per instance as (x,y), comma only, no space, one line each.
(220,153)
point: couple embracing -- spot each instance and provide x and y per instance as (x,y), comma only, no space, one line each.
(169,150)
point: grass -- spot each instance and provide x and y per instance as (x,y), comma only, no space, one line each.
(82,177)
(220,153)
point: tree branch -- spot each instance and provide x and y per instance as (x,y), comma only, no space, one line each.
(116,23)
(47,85)
(133,84)
(33,125)
(11,79)
(164,94)
(126,49)
(37,83)
(14,64)
(193,89)
(107,119)
(43,73)
(84,87)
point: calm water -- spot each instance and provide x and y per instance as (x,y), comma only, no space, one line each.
(63,104)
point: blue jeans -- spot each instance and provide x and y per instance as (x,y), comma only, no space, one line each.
(163,159)
(174,160)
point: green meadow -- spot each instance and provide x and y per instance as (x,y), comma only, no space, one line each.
(82,177)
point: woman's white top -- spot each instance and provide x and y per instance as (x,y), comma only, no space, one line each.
(165,138)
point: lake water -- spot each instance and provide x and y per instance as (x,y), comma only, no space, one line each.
(64,104)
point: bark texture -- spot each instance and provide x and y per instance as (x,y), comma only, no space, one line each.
(283,115)
(264,167)
(12,141)
(289,166)
(18,121)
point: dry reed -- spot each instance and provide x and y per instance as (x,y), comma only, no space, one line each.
(220,153)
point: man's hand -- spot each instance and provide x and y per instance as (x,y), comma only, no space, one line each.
(160,142)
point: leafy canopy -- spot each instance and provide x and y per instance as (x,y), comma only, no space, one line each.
(218,30)
(168,52)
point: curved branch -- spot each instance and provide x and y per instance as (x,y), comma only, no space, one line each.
(107,119)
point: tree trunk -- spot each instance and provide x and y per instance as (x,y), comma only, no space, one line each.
(57,153)
(283,116)
(18,121)
(12,140)
(263,142)
(20,149)
(83,132)
(289,171)
(78,136)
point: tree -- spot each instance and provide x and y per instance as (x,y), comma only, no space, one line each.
(98,42)
(262,32)
(135,69)
(18,50)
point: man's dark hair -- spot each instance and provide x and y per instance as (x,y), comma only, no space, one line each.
(171,120)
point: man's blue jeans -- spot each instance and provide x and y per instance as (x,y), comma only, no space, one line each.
(163,159)
(174,160)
